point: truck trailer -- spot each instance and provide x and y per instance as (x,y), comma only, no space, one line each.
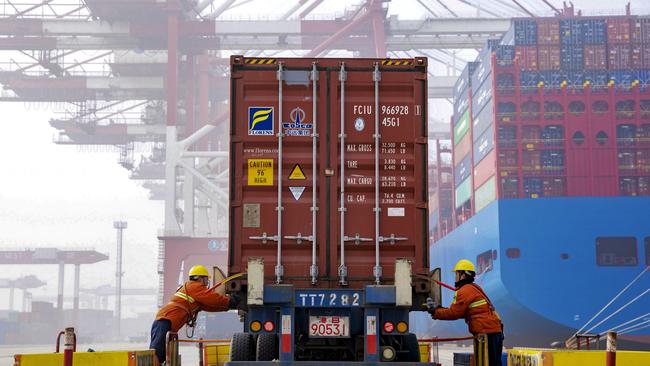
(328,208)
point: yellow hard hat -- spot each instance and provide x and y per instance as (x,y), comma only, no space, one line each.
(199,270)
(464,265)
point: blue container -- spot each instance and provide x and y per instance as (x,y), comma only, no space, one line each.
(482,72)
(461,103)
(575,79)
(481,97)
(571,32)
(572,57)
(483,120)
(553,136)
(553,79)
(525,32)
(529,79)
(505,55)
(464,79)
(623,79)
(462,170)
(594,31)
(598,79)
(533,187)
(483,145)
(644,78)
(552,160)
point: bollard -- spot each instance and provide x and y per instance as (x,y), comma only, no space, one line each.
(201,361)
(611,349)
(69,345)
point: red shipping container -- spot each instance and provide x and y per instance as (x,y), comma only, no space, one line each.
(619,57)
(262,106)
(548,57)
(636,56)
(507,159)
(462,149)
(531,161)
(641,30)
(527,57)
(548,32)
(618,29)
(595,57)
(485,169)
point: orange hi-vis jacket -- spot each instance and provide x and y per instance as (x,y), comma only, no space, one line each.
(471,303)
(188,300)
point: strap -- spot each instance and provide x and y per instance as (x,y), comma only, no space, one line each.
(486,298)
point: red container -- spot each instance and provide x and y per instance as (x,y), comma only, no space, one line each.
(595,57)
(507,159)
(527,57)
(619,57)
(258,167)
(618,29)
(485,169)
(636,56)
(645,55)
(548,57)
(531,161)
(548,32)
(463,148)
(554,187)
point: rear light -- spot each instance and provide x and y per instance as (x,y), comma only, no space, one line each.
(269,326)
(389,327)
(402,327)
(255,326)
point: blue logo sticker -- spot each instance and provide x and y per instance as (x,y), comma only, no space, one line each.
(260,121)
(297,126)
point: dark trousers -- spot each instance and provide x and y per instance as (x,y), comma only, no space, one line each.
(494,348)
(159,330)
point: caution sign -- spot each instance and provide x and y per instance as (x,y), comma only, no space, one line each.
(260,172)
(297,173)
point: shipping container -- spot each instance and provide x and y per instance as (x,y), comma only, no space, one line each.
(619,56)
(571,32)
(463,192)
(483,145)
(481,97)
(641,30)
(595,57)
(507,136)
(572,57)
(303,212)
(636,56)
(484,120)
(527,57)
(525,32)
(463,81)
(548,57)
(482,72)
(548,31)
(618,29)
(462,148)
(462,170)
(594,31)
(485,194)
(461,106)
(506,112)
(509,187)
(505,55)
(485,169)
(461,128)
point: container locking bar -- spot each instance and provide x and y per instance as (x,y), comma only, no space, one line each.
(313,269)
(392,239)
(343,269)
(279,269)
(299,238)
(264,238)
(356,239)
(376,76)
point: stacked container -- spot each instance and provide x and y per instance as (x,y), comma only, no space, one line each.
(559,107)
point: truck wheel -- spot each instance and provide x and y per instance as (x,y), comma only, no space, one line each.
(242,347)
(411,349)
(267,347)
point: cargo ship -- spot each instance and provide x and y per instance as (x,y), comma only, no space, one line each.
(546,181)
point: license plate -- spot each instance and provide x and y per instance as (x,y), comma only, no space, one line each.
(329,326)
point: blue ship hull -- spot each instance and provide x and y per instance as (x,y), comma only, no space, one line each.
(555,285)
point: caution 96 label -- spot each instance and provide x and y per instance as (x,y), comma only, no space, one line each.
(260,172)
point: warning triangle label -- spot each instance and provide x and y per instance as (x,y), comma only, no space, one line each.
(297,173)
(297,192)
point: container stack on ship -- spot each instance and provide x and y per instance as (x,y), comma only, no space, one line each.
(551,175)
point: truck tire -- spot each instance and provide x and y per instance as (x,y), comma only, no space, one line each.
(411,347)
(267,347)
(242,347)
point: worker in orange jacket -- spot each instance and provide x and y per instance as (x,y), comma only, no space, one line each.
(193,296)
(471,303)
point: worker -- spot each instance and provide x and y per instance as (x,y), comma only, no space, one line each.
(190,298)
(471,303)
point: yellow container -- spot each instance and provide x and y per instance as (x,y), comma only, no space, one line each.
(547,357)
(114,358)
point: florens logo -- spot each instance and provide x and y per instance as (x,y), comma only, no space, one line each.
(260,121)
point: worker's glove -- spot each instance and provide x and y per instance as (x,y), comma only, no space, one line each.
(431,307)
(233,301)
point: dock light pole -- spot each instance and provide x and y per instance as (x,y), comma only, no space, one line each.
(119,226)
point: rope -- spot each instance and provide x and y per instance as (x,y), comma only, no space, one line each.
(619,310)
(628,322)
(612,300)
